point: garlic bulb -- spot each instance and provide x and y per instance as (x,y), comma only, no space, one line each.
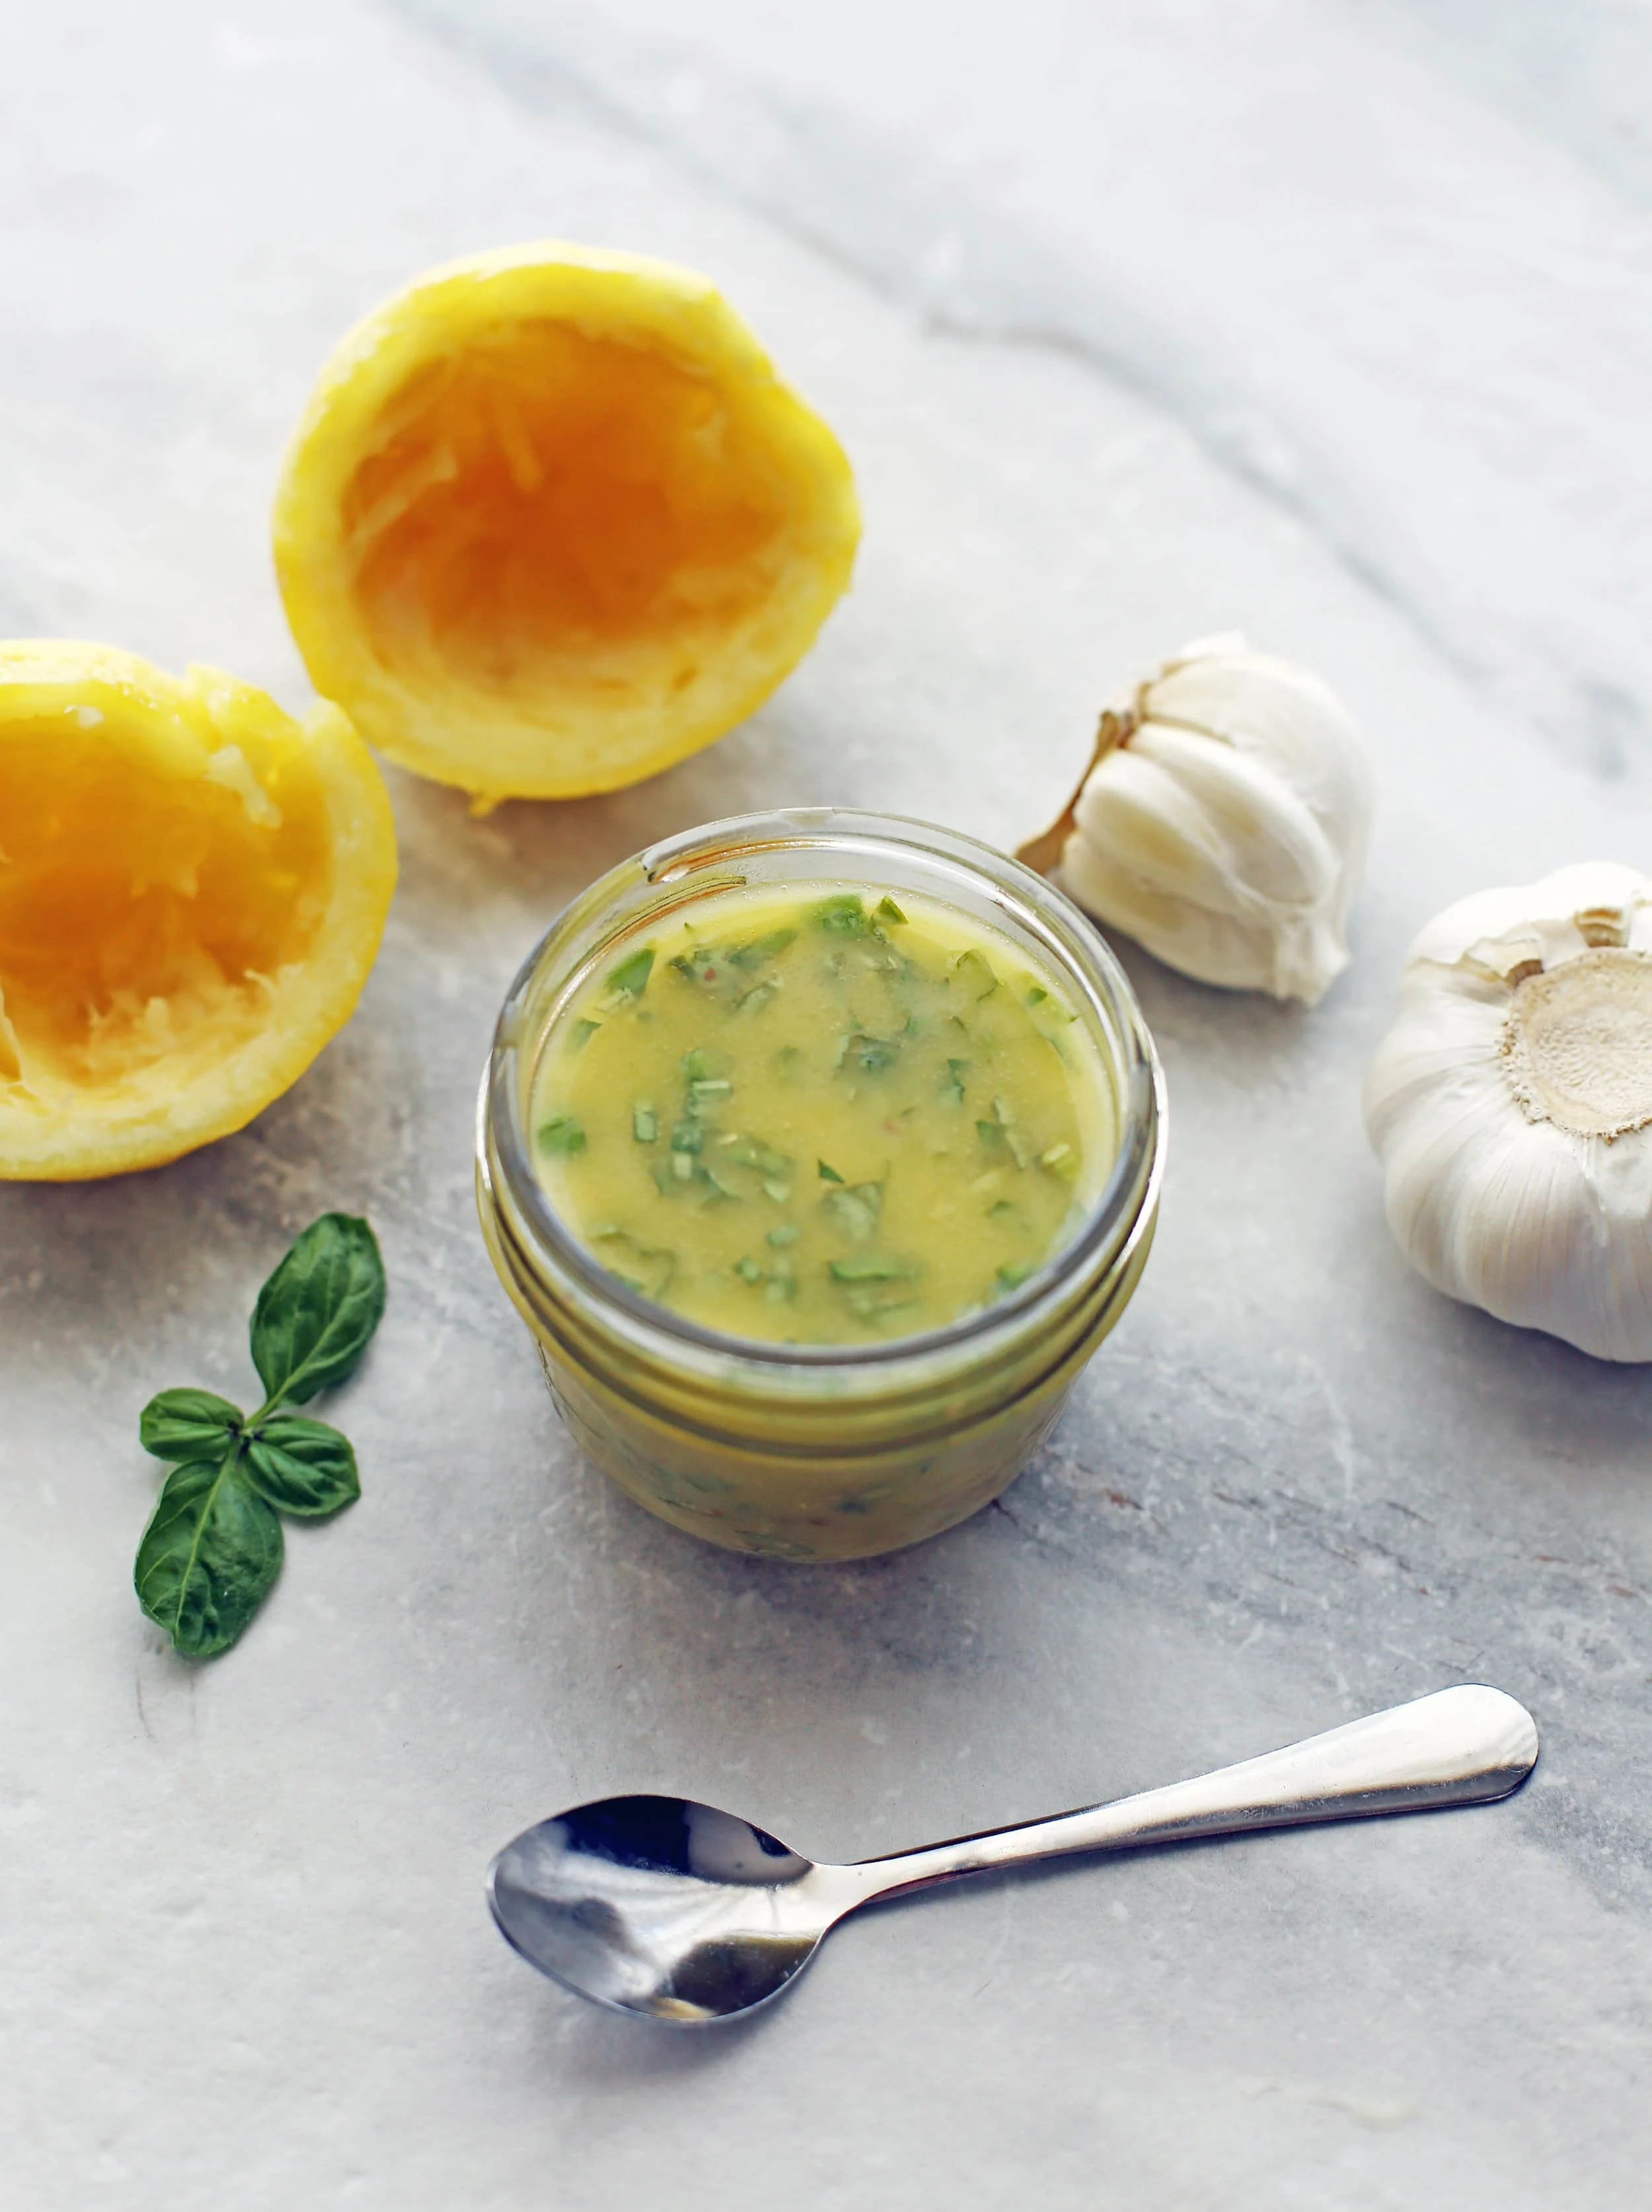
(1222,821)
(1511,1107)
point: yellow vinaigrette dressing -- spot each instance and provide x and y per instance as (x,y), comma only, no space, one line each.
(821,1116)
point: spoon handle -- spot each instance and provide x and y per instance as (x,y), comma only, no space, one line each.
(1459,1747)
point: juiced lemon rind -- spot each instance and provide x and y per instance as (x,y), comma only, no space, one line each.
(599,714)
(192,892)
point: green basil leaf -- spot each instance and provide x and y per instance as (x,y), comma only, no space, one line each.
(301,1467)
(316,1313)
(211,1551)
(189,1424)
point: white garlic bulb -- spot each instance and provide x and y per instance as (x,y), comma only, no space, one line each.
(1222,821)
(1511,1107)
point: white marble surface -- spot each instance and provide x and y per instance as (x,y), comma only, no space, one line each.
(1332,321)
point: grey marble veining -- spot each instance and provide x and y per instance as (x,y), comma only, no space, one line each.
(1330,323)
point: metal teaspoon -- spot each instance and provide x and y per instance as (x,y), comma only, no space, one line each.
(661,1906)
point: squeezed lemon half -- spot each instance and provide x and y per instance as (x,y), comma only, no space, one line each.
(192,890)
(551,522)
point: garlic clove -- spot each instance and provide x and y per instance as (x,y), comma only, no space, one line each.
(1222,821)
(1213,948)
(1511,1105)
(1209,824)
(1284,718)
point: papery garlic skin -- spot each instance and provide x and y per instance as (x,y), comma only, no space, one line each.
(1511,1105)
(1223,825)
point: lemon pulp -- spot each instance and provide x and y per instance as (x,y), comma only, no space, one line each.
(553,495)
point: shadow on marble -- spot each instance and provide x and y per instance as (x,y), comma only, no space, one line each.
(529,848)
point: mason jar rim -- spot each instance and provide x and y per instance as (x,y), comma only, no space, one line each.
(1070,942)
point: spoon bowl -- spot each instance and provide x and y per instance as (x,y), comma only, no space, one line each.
(660,1905)
(679,1911)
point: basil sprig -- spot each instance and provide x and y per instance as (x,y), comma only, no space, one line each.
(214,1547)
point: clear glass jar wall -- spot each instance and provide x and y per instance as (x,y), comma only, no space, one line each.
(806,1452)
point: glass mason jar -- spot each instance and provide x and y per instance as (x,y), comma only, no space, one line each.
(829,1451)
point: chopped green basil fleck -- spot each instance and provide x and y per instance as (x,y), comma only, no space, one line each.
(869,1268)
(854,1211)
(974,972)
(747,1152)
(761,948)
(842,915)
(630,978)
(868,1055)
